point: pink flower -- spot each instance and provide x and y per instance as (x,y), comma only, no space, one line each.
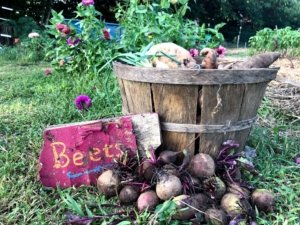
(71,42)
(106,34)
(194,52)
(33,35)
(66,30)
(48,71)
(88,2)
(297,160)
(83,102)
(221,51)
(60,26)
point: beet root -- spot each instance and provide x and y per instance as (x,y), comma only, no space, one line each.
(263,199)
(215,187)
(231,204)
(183,209)
(170,169)
(168,186)
(147,201)
(147,171)
(168,157)
(202,166)
(128,195)
(108,183)
(235,188)
(215,216)
(203,201)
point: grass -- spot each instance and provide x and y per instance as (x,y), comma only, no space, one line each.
(30,101)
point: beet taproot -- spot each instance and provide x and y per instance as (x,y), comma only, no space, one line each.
(231,204)
(147,200)
(215,216)
(108,183)
(168,186)
(263,199)
(128,194)
(185,207)
(202,165)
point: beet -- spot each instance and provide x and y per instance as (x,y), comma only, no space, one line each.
(147,171)
(231,204)
(168,186)
(263,199)
(183,211)
(215,217)
(215,187)
(235,188)
(108,183)
(202,166)
(170,169)
(147,200)
(128,194)
(203,201)
(168,157)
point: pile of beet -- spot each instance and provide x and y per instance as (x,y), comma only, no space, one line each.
(197,184)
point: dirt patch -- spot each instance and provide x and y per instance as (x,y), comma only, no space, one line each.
(284,92)
(289,72)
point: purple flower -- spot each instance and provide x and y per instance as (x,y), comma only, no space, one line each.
(83,102)
(297,160)
(221,51)
(48,71)
(194,52)
(88,2)
(233,222)
(71,42)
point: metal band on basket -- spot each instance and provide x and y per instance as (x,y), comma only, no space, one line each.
(196,128)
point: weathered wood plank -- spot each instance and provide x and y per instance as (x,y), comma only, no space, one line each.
(176,104)
(220,105)
(77,153)
(125,109)
(147,130)
(192,76)
(253,96)
(138,97)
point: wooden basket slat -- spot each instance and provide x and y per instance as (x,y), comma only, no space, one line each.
(253,96)
(177,104)
(220,105)
(138,97)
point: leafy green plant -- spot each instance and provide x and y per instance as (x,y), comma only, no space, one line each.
(29,50)
(80,53)
(285,40)
(163,21)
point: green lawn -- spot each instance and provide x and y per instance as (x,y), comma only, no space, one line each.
(30,101)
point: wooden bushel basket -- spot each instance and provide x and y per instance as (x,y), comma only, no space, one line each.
(217,104)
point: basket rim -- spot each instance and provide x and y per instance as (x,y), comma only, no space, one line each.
(194,76)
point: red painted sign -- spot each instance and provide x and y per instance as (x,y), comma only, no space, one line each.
(76,154)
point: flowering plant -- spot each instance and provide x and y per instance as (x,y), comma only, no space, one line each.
(84,52)
(83,102)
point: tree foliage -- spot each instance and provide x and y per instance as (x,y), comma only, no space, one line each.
(252,15)
(268,13)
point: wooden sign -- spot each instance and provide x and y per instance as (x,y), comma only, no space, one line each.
(76,154)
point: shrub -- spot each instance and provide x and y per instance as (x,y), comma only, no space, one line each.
(144,22)
(29,50)
(284,40)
